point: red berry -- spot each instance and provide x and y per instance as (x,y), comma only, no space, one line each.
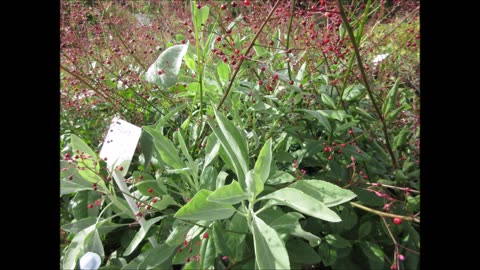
(219,38)
(121,168)
(237,51)
(183,41)
(234,4)
(90,206)
(397,221)
(150,190)
(205,235)
(260,82)
(262,69)
(199,6)
(246,2)
(275,77)
(223,6)
(154,200)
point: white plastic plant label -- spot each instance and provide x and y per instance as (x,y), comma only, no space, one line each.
(119,145)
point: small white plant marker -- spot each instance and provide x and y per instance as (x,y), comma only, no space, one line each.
(117,151)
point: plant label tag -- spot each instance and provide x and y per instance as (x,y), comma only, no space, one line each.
(119,145)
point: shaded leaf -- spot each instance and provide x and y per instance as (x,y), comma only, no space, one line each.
(140,235)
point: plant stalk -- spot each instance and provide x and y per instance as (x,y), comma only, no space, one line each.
(366,83)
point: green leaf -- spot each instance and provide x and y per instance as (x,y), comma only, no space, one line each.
(211,150)
(327,100)
(327,253)
(280,177)
(301,72)
(363,113)
(164,202)
(177,236)
(254,185)
(183,147)
(325,192)
(200,16)
(303,203)
(75,248)
(207,253)
(208,178)
(353,92)
(79,205)
(157,256)
(337,241)
(166,149)
(401,138)
(167,117)
(140,235)
(289,224)
(223,71)
(391,99)
(374,253)
(219,239)
(234,144)
(368,198)
(261,171)
(365,229)
(199,208)
(67,186)
(301,252)
(144,185)
(169,62)
(146,143)
(322,119)
(230,194)
(87,159)
(270,251)
(94,244)
(79,225)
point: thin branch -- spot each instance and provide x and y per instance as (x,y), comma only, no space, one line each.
(383,214)
(366,83)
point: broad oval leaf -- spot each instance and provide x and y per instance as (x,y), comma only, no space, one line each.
(87,160)
(303,203)
(280,177)
(261,171)
(254,185)
(140,235)
(234,144)
(289,224)
(199,208)
(270,251)
(375,255)
(325,192)
(301,252)
(157,256)
(164,71)
(230,194)
(166,149)
(322,119)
